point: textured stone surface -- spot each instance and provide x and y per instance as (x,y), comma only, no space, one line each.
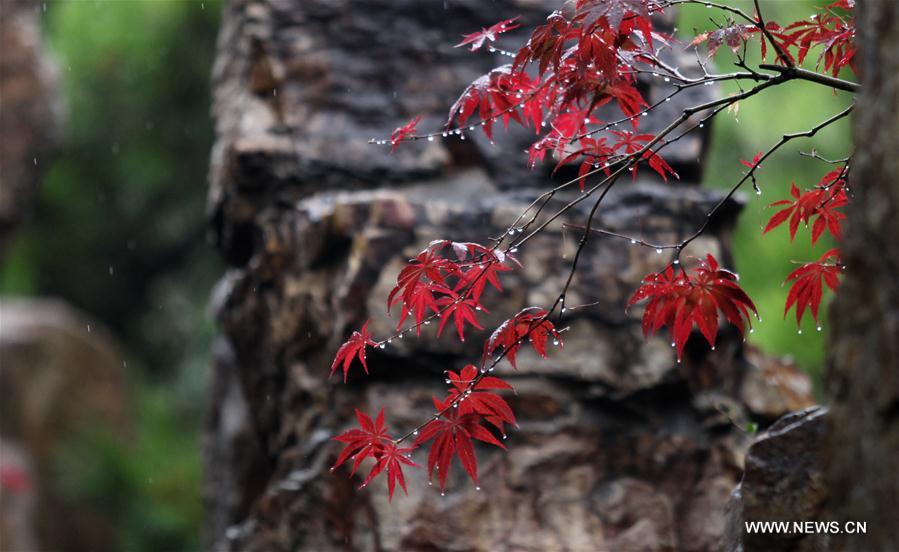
(784,480)
(619,447)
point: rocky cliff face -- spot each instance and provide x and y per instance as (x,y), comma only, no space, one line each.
(619,447)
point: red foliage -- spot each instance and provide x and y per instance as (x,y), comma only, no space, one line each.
(477,400)
(531,324)
(582,58)
(400,133)
(681,301)
(808,279)
(353,348)
(489,34)
(453,436)
(734,36)
(372,441)
(832,30)
(819,205)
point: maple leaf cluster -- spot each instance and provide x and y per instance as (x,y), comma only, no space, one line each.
(833,29)
(583,57)
(582,61)
(681,301)
(818,207)
(435,285)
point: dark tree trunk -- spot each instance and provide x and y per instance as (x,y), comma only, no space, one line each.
(620,448)
(863,377)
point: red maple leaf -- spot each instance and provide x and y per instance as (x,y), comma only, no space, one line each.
(373,441)
(617,12)
(818,204)
(477,277)
(418,305)
(754,163)
(734,35)
(489,34)
(499,92)
(462,310)
(833,31)
(400,133)
(426,268)
(478,400)
(807,288)
(353,348)
(681,301)
(530,324)
(453,436)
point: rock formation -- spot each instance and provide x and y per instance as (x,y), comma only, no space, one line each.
(619,447)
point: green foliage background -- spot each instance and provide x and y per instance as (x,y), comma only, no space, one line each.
(764,262)
(119,232)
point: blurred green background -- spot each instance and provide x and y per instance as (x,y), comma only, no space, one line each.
(764,261)
(119,232)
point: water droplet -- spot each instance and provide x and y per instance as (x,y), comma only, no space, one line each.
(382,345)
(555,341)
(659,250)
(415,432)
(799,332)
(477,488)
(667,79)
(430,138)
(505,436)
(818,328)
(633,242)
(442,493)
